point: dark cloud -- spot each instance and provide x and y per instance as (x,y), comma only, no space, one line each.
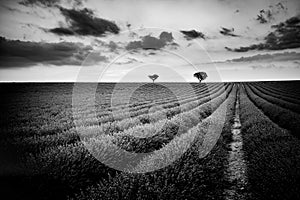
(192,34)
(228,32)
(112,45)
(265,16)
(62,31)
(16,53)
(134,45)
(286,56)
(245,49)
(166,37)
(149,42)
(50,3)
(285,36)
(83,22)
(46,3)
(261,18)
(268,15)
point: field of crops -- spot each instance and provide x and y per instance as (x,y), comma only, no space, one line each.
(257,156)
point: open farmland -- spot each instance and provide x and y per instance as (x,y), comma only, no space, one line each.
(257,155)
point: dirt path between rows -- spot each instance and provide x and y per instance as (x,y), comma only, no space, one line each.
(236,169)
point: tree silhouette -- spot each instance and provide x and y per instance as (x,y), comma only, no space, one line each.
(153,77)
(200,76)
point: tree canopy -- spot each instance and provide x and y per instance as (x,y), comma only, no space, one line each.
(153,77)
(200,76)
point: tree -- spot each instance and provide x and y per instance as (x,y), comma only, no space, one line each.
(200,76)
(153,77)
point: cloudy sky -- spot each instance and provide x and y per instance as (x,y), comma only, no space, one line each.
(127,40)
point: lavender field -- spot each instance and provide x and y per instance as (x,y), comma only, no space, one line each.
(256,156)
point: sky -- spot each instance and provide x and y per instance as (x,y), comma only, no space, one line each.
(127,40)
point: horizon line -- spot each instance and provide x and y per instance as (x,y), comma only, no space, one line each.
(149,82)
